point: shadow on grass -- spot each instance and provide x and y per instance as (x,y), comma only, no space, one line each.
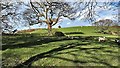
(74,33)
(28,62)
(33,40)
(53,52)
(38,40)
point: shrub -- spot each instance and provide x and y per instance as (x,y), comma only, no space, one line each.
(58,33)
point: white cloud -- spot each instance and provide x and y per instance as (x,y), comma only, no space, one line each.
(101,12)
(68,23)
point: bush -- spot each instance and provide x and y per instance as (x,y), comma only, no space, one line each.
(58,33)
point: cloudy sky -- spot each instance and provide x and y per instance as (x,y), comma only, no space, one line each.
(103,14)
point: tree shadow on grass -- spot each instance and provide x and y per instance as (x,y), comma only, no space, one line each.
(74,33)
(29,40)
(49,54)
(33,40)
(36,40)
(79,62)
(53,52)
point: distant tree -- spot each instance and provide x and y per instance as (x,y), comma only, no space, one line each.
(103,24)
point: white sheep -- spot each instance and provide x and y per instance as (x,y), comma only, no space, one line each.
(117,41)
(102,39)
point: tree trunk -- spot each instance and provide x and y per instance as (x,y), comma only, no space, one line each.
(49,29)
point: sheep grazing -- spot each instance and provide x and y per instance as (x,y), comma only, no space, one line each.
(102,39)
(117,41)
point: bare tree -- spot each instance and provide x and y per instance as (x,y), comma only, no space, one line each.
(10,16)
(29,17)
(50,12)
(4,17)
(103,24)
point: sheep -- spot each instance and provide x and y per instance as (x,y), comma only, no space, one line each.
(76,37)
(70,37)
(102,39)
(117,41)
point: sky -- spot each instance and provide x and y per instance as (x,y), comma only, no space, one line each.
(103,14)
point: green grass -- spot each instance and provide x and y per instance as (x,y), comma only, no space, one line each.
(38,49)
(87,30)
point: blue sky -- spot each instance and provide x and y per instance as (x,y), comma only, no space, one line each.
(103,13)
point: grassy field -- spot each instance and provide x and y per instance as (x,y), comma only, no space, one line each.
(80,49)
